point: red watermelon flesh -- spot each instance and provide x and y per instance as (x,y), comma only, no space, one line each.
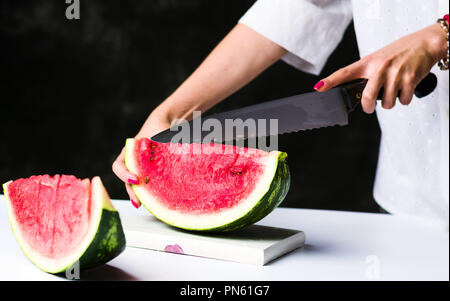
(230,175)
(60,221)
(207,187)
(57,220)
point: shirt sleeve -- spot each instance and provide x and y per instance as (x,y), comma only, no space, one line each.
(308,29)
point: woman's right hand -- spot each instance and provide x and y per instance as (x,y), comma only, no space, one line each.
(151,127)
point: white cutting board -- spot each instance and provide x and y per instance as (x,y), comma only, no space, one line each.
(254,244)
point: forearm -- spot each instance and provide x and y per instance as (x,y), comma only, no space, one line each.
(241,56)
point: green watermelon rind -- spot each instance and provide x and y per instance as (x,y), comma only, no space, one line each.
(273,196)
(107,243)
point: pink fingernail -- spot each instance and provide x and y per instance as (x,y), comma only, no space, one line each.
(134,204)
(319,85)
(133,181)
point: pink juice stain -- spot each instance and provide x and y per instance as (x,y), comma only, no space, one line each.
(174,249)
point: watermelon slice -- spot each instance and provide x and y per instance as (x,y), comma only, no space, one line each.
(61,220)
(207,187)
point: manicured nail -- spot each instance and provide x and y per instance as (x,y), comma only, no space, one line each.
(134,204)
(133,181)
(319,85)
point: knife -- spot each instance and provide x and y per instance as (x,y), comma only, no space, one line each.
(291,114)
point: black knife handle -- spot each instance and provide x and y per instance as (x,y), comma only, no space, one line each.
(353,90)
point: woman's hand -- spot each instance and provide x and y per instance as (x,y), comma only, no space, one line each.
(398,67)
(151,127)
(127,177)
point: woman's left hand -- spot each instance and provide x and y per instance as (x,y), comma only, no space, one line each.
(398,67)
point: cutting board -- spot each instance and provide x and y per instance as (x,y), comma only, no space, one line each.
(254,244)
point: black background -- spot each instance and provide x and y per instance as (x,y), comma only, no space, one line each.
(73,90)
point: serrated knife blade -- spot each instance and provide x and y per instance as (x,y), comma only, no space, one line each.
(291,114)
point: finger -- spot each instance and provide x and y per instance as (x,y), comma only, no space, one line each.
(370,93)
(390,92)
(408,86)
(341,76)
(406,94)
(122,172)
(134,200)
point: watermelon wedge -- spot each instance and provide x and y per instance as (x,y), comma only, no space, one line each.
(61,220)
(207,187)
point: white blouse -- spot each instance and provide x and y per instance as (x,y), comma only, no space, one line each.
(413,167)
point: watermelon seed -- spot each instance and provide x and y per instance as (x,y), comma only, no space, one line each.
(146,180)
(151,158)
(153,146)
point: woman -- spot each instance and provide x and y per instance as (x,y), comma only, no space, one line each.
(399,42)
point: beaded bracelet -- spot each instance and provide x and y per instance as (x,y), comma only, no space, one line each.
(444,64)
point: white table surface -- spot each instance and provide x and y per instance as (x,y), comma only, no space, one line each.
(339,246)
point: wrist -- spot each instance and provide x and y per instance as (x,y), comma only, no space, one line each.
(155,123)
(437,42)
(160,117)
(444,23)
